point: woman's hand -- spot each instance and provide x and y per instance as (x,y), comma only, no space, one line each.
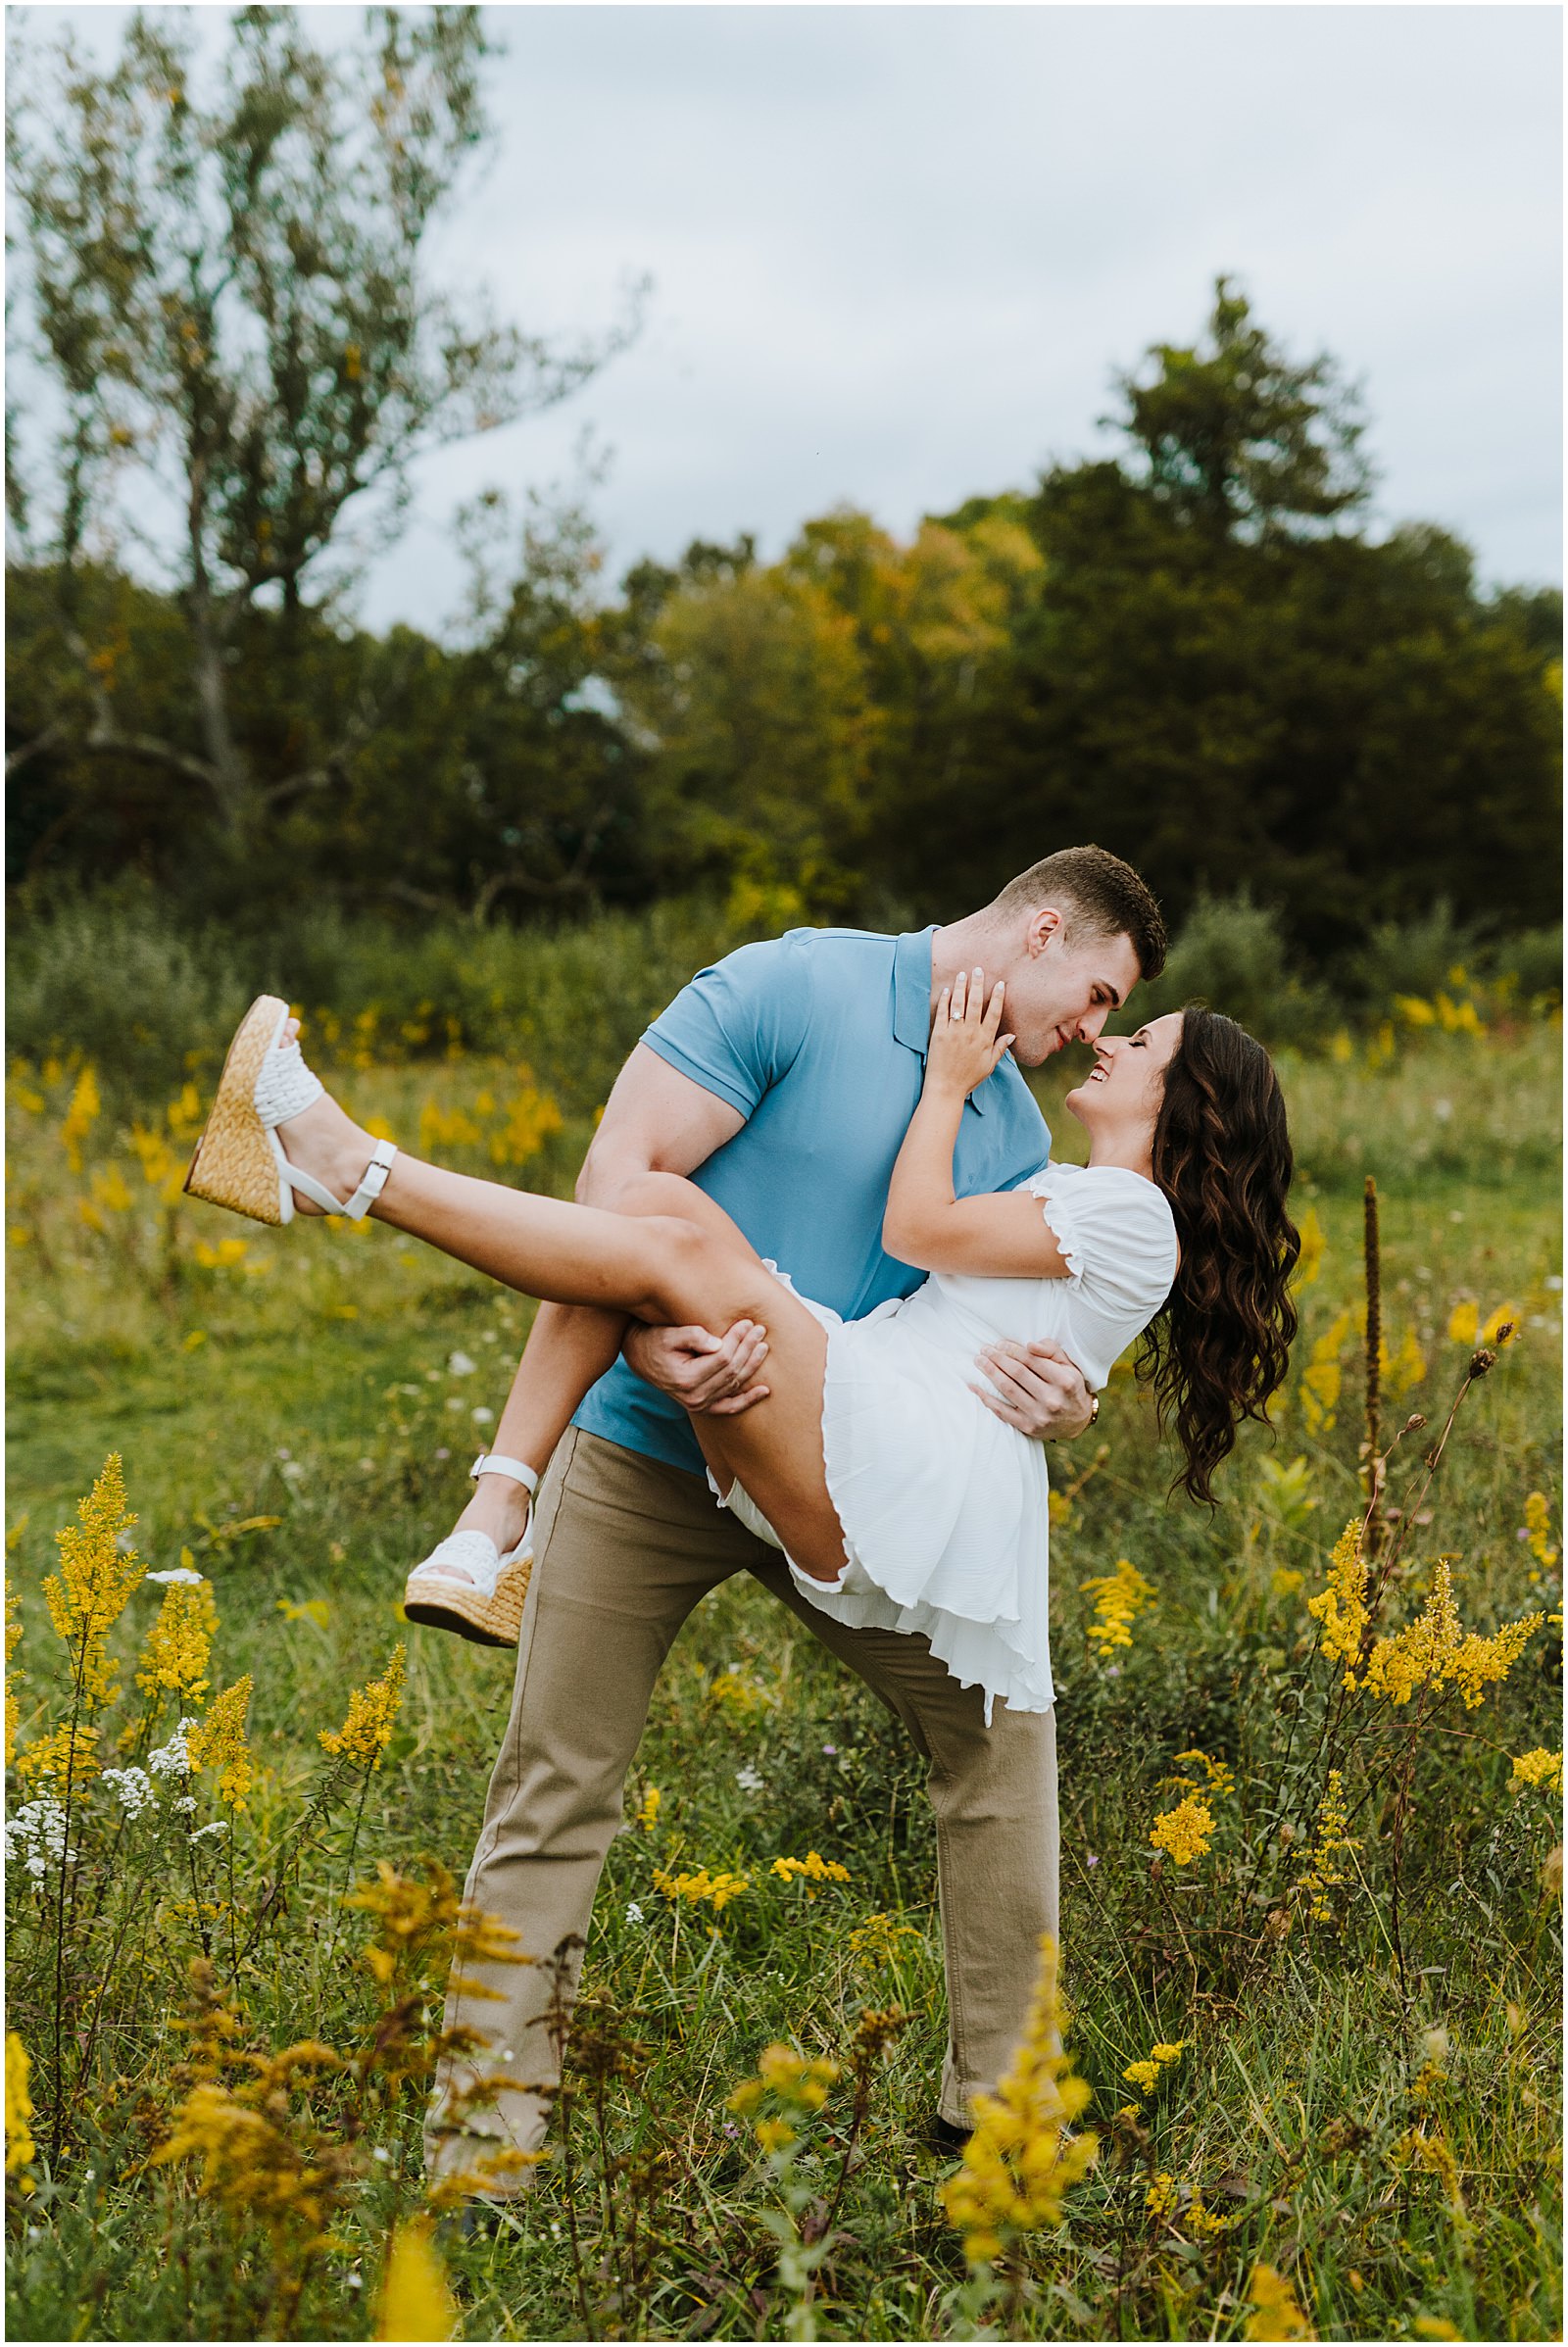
(965,1043)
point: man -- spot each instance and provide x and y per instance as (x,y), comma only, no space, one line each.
(782,1081)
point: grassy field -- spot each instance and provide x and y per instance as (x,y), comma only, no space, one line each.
(1359,2136)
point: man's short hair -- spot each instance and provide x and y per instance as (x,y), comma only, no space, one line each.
(1100,894)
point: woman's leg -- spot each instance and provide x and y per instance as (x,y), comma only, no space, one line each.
(668,1270)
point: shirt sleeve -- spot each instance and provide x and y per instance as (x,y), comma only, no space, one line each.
(1115,1231)
(737,1028)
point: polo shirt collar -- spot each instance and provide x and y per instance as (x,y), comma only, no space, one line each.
(911,1000)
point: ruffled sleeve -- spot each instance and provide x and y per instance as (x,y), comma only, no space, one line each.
(1115,1233)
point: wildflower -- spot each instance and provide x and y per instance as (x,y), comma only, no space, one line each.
(1314,1243)
(209,1833)
(648,1809)
(1464,1322)
(217,1741)
(1321,1378)
(1218,1773)
(69,1754)
(416,2300)
(12,1676)
(794,2077)
(775,2134)
(531,1118)
(1321,1875)
(812,1869)
(1536,1529)
(1185,1831)
(372,1714)
(1122,1596)
(95,1582)
(1142,2074)
(739,1694)
(310,1609)
(1018,2162)
(458,1364)
(697,1888)
(634,1913)
(37,1834)
(226,1255)
(749,1779)
(1169,2053)
(177,1577)
(1342,1607)
(80,1117)
(1276,2314)
(1283,1580)
(876,1941)
(423,1926)
(180,1641)
(1434,1649)
(1161,2196)
(1538,1767)
(1408,1366)
(132,1789)
(174,1758)
(20,2146)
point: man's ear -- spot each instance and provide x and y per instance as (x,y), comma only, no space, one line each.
(1045,923)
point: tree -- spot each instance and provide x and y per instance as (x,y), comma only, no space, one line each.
(1238,439)
(231,306)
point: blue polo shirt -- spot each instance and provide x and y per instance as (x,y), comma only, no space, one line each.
(818,1038)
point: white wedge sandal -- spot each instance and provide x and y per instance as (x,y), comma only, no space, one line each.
(487,1605)
(240,1161)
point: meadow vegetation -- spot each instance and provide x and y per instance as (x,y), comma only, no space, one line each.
(1310,1759)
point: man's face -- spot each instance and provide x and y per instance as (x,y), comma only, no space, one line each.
(1063,990)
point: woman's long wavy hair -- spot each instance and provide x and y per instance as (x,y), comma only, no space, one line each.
(1222,1156)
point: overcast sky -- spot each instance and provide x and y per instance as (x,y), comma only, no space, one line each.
(897,252)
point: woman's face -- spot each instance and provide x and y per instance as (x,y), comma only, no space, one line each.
(1124,1090)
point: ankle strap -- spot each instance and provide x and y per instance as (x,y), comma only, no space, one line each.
(491,1462)
(374,1182)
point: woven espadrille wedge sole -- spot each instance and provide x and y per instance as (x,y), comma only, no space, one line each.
(464,1607)
(486,1604)
(235,1164)
(240,1161)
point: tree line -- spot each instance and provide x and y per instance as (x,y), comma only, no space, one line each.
(1195,651)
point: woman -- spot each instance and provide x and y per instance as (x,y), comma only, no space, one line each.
(896,1496)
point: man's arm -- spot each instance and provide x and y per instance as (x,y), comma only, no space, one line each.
(659,1121)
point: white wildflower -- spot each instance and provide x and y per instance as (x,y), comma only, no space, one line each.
(179,1576)
(174,1758)
(748,1780)
(292,1471)
(202,1832)
(481,1416)
(634,1914)
(37,1833)
(186,1803)
(460,1365)
(134,1790)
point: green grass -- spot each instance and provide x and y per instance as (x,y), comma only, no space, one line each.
(311,1382)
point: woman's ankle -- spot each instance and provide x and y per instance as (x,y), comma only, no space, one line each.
(499,1508)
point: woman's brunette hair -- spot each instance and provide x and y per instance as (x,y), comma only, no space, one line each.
(1222,1156)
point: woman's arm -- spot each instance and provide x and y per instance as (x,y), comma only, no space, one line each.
(999,1235)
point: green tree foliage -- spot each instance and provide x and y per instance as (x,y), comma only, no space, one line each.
(242,347)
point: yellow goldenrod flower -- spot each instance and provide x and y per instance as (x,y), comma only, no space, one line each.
(309,1609)
(648,1810)
(876,1941)
(1538,1767)
(1408,1366)
(1185,1832)
(1314,1243)
(741,1695)
(531,1118)
(1219,1779)
(1204,2220)
(697,1888)
(1275,2312)
(80,1117)
(812,1870)
(1415,1012)
(180,1640)
(1122,1596)
(1019,2162)
(67,1753)
(423,1926)
(1538,1530)
(1169,2053)
(1434,1649)
(775,2134)
(217,1741)
(1161,2196)
(372,1715)
(225,1256)
(12,1674)
(1321,1875)
(1342,1607)
(1142,2074)
(445,1128)
(416,2301)
(1464,1322)
(20,2146)
(96,1578)
(1321,1378)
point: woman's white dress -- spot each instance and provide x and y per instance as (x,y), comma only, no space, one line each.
(945,1508)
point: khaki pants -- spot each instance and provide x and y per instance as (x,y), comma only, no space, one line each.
(625,1548)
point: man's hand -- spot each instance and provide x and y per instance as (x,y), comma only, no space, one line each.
(1041,1392)
(712,1377)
